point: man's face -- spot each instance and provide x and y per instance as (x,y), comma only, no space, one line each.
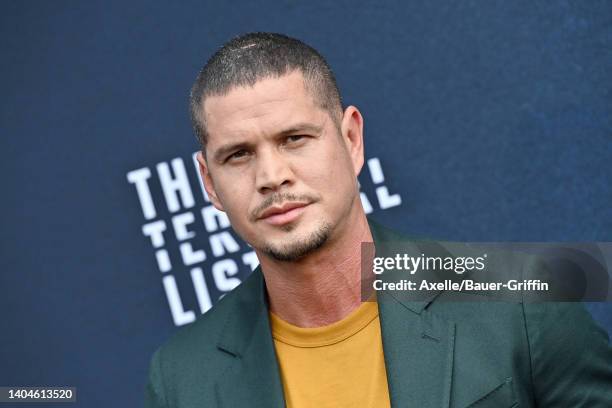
(281,168)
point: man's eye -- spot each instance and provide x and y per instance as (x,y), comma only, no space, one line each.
(295,138)
(237,155)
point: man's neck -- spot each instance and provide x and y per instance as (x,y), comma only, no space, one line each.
(323,287)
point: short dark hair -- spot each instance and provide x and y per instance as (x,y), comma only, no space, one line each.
(251,57)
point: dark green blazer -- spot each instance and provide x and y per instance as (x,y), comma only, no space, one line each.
(437,354)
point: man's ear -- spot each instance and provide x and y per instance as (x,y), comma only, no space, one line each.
(208,183)
(352,135)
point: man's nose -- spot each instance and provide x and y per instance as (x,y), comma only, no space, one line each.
(273,172)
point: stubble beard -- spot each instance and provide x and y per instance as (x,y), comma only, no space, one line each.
(297,249)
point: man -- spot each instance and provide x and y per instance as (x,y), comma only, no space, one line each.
(281,157)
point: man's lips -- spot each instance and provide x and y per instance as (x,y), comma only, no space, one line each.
(279,215)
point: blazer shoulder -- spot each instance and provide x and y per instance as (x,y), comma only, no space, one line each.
(185,368)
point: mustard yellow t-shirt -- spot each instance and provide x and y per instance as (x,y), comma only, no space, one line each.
(340,365)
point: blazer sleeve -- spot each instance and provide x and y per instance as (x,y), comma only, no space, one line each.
(154,390)
(570,355)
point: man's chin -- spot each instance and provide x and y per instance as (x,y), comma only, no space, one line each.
(291,249)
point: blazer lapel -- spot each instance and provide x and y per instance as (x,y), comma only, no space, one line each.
(252,379)
(418,345)
(418,348)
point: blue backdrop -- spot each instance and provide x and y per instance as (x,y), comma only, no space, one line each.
(484,121)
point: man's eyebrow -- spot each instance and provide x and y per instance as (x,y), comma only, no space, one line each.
(301,127)
(221,152)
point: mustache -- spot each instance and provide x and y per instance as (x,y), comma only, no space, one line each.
(279,198)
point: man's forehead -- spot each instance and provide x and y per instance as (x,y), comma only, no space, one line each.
(266,90)
(269,101)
